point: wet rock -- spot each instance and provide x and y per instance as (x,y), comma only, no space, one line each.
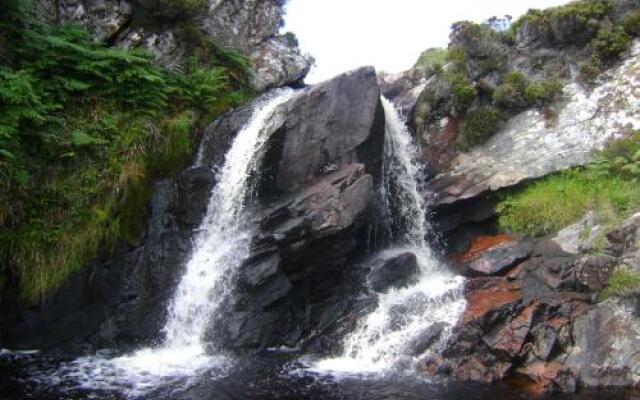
(258,273)
(276,287)
(194,187)
(485,302)
(426,338)
(250,330)
(508,340)
(592,272)
(492,255)
(396,272)
(540,378)
(403,89)
(555,272)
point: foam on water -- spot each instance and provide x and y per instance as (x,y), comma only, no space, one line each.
(221,245)
(382,340)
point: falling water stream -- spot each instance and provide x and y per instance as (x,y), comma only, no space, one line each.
(220,246)
(382,340)
(378,356)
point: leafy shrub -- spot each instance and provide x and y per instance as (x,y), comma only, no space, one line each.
(542,93)
(621,158)
(622,283)
(432,59)
(609,44)
(583,18)
(292,39)
(478,126)
(631,23)
(511,93)
(464,92)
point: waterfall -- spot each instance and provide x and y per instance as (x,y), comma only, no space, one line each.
(384,340)
(221,245)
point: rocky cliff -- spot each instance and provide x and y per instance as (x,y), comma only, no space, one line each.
(172,30)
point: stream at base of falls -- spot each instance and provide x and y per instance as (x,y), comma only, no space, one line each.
(271,376)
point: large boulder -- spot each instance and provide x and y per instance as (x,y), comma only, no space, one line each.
(332,124)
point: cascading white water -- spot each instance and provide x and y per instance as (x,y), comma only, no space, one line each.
(382,340)
(221,244)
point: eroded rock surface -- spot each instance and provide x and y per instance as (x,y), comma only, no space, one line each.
(532,145)
(543,322)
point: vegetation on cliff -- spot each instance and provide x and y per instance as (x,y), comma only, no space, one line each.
(487,73)
(608,186)
(84,128)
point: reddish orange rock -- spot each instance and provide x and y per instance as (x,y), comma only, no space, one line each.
(538,378)
(480,245)
(482,301)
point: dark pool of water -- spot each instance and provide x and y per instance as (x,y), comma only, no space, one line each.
(269,377)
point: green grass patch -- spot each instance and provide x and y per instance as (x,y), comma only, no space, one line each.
(622,283)
(433,58)
(609,186)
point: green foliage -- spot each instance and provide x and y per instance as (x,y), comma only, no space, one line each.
(84,129)
(458,59)
(543,92)
(622,283)
(631,23)
(464,92)
(510,94)
(621,158)
(292,39)
(585,15)
(556,201)
(433,59)
(517,93)
(610,43)
(478,126)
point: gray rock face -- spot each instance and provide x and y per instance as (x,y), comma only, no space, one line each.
(276,64)
(530,146)
(328,126)
(248,26)
(606,345)
(403,89)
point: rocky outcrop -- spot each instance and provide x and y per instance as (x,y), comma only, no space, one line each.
(318,190)
(170,29)
(540,320)
(532,145)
